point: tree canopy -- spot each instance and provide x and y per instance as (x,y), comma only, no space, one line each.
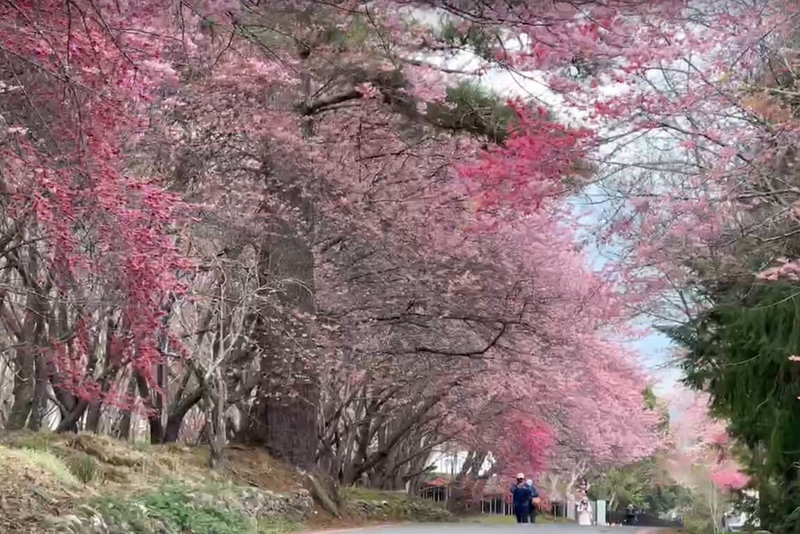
(305,225)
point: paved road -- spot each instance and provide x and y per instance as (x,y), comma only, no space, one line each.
(475,528)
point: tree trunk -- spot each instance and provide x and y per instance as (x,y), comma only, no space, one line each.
(41,398)
(173,429)
(158,394)
(219,435)
(24,389)
(153,414)
(70,422)
(95,410)
(287,428)
(109,369)
(124,430)
(215,399)
(178,413)
(25,374)
(93,417)
(286,424)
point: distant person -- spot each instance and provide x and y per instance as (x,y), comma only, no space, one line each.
(583,488)
(534,499)
(585,512)
(522,495)
(630,515)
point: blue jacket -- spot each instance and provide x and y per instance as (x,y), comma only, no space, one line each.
(522,495)
(534,491)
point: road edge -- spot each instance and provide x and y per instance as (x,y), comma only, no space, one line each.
(356,529)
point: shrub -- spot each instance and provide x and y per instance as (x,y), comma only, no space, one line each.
(173,508)
(373,504)
(698,525)
(86,468)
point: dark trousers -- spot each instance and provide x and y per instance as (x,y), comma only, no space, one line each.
(522,512)
(532,511)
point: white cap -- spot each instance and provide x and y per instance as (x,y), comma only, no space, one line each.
(521,475)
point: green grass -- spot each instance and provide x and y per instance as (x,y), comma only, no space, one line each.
(398,506)
(176,509)
(44,460)
(38,441)
(42,448)
(85,468)
(278,526)
(142,446)
(180,509)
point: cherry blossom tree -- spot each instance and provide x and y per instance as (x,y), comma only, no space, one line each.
(282,212)
(702,458)
(407,321)
(88,240)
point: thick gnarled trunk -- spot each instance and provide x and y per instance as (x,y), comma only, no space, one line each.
(284,417)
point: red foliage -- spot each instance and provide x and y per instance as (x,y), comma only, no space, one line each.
(530,167)
(84,74)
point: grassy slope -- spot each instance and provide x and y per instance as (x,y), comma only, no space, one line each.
(46,478)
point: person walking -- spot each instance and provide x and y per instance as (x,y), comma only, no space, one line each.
(630,515)
(585,513)
(522,495)
(534,500)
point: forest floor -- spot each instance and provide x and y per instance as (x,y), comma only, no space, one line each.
(87,483)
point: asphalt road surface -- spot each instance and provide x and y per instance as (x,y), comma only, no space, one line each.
(476,528)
